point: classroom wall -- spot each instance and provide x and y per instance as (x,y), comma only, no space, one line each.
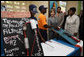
(72,4)
(81,5)
(77,4)
(27,3)
(45,3)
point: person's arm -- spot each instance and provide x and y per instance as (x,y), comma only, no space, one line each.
(62,21)
(77,26)
(48,26)
(49,22)
(44,23)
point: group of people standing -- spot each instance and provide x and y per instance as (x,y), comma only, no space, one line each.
(70,22)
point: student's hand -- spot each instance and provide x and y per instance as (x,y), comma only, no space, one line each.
(75,34)
(58,28)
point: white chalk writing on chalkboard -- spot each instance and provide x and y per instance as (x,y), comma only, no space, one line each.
(11,40)
(37,54)
(13,33)
(10,52)
(15,21)
(10,31)
(10,21)
(11,25)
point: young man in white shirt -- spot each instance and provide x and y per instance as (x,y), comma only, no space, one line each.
(72,22)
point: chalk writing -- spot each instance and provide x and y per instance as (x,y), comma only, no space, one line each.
(11,31)
(10,52)
(13,36)
(11,40)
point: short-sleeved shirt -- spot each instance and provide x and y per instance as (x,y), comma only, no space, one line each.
(42,21)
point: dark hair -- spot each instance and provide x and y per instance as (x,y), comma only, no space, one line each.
(52,11)
(40,10)
(31,6)
(73,9)
(58,7)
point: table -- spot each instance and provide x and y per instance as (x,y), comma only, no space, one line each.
(59,48)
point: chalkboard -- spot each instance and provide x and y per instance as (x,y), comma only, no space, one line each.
(13,39)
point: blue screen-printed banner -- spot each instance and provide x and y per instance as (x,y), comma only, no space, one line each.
(53,4)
